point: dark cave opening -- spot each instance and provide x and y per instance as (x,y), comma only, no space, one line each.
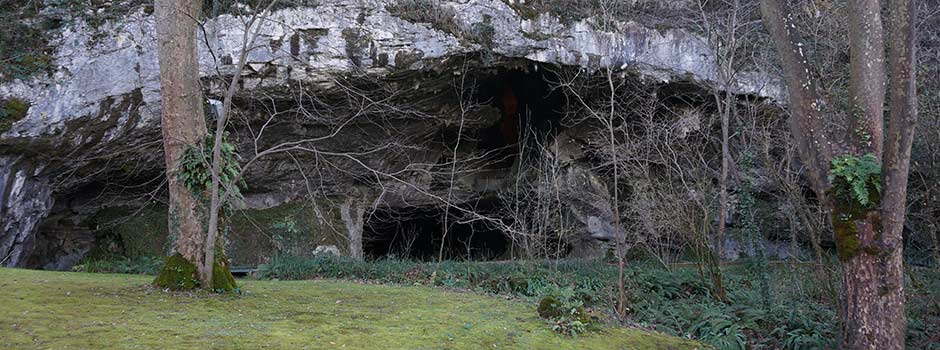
(530,111)
(418,233)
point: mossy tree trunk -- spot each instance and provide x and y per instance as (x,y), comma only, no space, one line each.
(868,235)
(183,125)
(872,305)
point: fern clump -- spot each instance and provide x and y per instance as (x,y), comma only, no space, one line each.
(857,179)
(856,186)
(196,167)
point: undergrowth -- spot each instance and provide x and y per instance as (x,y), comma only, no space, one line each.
(676,301)
(143,265)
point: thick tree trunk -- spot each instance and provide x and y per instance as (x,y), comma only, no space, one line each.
(183,123)
(868,239)
(872,309)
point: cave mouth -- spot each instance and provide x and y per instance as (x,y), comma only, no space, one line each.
(531,111)
(417,233)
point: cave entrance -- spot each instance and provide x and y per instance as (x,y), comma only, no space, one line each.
(530,111)
(417,233)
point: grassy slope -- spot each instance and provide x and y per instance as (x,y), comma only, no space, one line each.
(60,310)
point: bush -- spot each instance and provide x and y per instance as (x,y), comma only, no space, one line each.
(11,111)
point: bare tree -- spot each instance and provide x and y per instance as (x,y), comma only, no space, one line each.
(217,195)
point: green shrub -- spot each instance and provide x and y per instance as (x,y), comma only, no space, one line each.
(24,44)
(567,314)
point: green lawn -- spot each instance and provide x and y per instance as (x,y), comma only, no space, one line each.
(68,310)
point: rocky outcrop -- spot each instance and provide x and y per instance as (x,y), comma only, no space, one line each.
(91,133)
(25,199)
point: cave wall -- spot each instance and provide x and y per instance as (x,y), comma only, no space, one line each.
(90,137)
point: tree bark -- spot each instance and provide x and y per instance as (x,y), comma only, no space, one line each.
(868,239)
(897,158)
(183,120)
(352,215)
(807,125)
(867,81)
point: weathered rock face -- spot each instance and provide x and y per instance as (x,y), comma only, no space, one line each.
(90,138)
(26,200)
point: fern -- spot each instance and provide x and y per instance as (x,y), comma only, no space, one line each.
(852,177)
(195,167)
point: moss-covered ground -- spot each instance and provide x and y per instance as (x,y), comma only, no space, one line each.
(69,310)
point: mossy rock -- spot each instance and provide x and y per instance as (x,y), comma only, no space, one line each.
(222,279)
(177,274)
(549,308)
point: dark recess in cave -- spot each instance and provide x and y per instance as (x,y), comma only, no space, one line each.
(417,233)
(530,111)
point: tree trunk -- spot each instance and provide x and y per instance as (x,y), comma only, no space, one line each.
(872,309)
(813,144)
(352,215)
(867,81)
(868,238)
(896,166)
(183,125)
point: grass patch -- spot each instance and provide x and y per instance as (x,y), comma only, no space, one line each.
(800,314)
(61,310)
